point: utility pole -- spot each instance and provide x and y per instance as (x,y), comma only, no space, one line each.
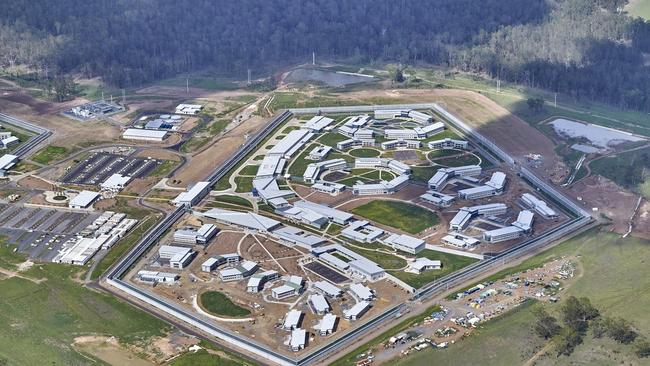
(123,97)
(187,86)
(103,95)
(555,102)
(249,76)
(313,58)
(498,86)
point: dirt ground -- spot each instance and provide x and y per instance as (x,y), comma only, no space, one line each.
(161,154)
(32,182)
(611,201)
(199,165)
(642,221)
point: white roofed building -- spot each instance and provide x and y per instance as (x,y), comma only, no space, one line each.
(83,200)
(115,182)
(298,339)
(327,325)
(357,311)
(405,243)
(144,135)
(423,264)
(292,320)
(362,292)
(193,195)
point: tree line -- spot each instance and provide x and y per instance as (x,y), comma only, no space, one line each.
(585,48)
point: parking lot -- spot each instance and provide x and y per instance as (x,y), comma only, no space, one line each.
(40,232)
(99,166)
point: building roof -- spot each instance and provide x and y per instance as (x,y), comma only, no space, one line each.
(298,236)
(319,303)
(361,291)
(246,219)
(192,193)
(298,338)
(366,266)
(116,181)
(142,133)
(404,240)
(290,143)
(357,309)
(7,161)
(327,323)
(336,262)
(329,212)
(422,263)
(292,319)
(271,166)
(498,180)
(84,198)
(328,288)
(317,123)
(502,231)
(524,220)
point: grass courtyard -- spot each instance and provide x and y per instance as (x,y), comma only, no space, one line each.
(450,263)
(400,215)
(217,303)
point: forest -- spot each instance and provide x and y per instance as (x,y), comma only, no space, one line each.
(590,49)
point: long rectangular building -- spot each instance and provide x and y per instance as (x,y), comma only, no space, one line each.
(291,143)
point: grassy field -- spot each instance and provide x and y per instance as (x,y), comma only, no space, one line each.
(164,168)
(450,263)
(630,170)
(383,259)
(364,153)
(459,160)
(613,274)
(50,153)
(400,215)
(331,138)
(41,320)
(204,358)
(235,200)
(201,82)
(423,173)
(639,8)
(218,304)
(249,170)
(122,246)
(244,184)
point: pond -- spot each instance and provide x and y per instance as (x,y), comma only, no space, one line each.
(597,135)
(330,78)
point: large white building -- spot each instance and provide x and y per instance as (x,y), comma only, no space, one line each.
(144,135)
(394,144)
(239,272)
(357,311)
(465,214)
(178,257)
(314,170)
(319,304)
(438,199)
(83,200)
(405,243)
(448,143)
(189,109)
(538,205)
(493,187)
(248,220)
(460,240)
(291,143)
(318,123)
(257,281)
(7,161)
(423,264)
(193,195)
(383,187)
(115,182)
(327,325)
(362,231)
(292,320)
(195,236)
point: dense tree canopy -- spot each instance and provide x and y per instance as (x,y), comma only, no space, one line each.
(585,48)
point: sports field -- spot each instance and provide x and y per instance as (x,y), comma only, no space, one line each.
(400,215)
(613,275)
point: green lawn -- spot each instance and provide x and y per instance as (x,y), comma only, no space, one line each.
(614,277)
(164,168)
(639,8)
(400,215)
(384,260)
(218,304)
(459,160)
(350,181)
(201,82)
(364,153)
(299,163)
(249,170)
(630,170)
(450,263)
(204,358)
(423,173)
(235,200)
(41,320)
(244,184)
(50,153)
(443,153)
(331,138)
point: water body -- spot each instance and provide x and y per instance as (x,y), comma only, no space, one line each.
(597,135)
(330,78)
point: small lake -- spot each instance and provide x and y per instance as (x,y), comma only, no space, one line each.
(331,78)
(597,135)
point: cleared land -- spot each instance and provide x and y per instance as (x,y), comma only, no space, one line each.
(612,272)
(400,215)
